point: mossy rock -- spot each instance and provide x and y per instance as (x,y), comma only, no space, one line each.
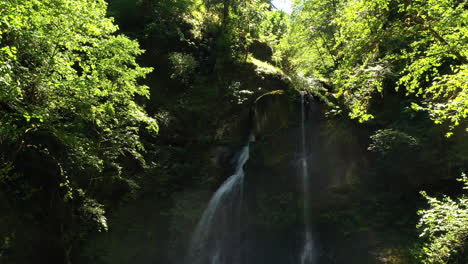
(261,51)
(272,112)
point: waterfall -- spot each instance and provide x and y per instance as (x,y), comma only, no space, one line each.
(218,236)
(308,254)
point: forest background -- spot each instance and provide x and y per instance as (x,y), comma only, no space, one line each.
(111,105)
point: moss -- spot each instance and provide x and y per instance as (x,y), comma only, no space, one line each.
(264,67)
(275,92)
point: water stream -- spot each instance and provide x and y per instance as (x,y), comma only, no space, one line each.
(308,254)
(218,236)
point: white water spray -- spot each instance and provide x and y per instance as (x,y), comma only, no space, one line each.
(218,236)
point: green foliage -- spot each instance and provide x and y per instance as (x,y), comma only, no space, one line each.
(387,141)
(94,213)
(363,47)
(310,37)
(68,67)
(166,21)
(445,225)
(272,27)
(183,66)
(236,24)
(264,67)
(407,56)
(67,109)
(238,96)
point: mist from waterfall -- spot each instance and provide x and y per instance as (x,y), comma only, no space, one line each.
(308,254)
(218,236)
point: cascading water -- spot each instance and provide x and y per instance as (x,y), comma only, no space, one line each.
(308,254)
(218,236)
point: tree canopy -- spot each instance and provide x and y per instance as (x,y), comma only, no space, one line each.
(77,139)
(68,90)
(364,47)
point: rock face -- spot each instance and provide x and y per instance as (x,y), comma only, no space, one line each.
(344,206)
(348,214)
(272,220)
(261,51)
(273,183)
(272,223)
(333,162)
